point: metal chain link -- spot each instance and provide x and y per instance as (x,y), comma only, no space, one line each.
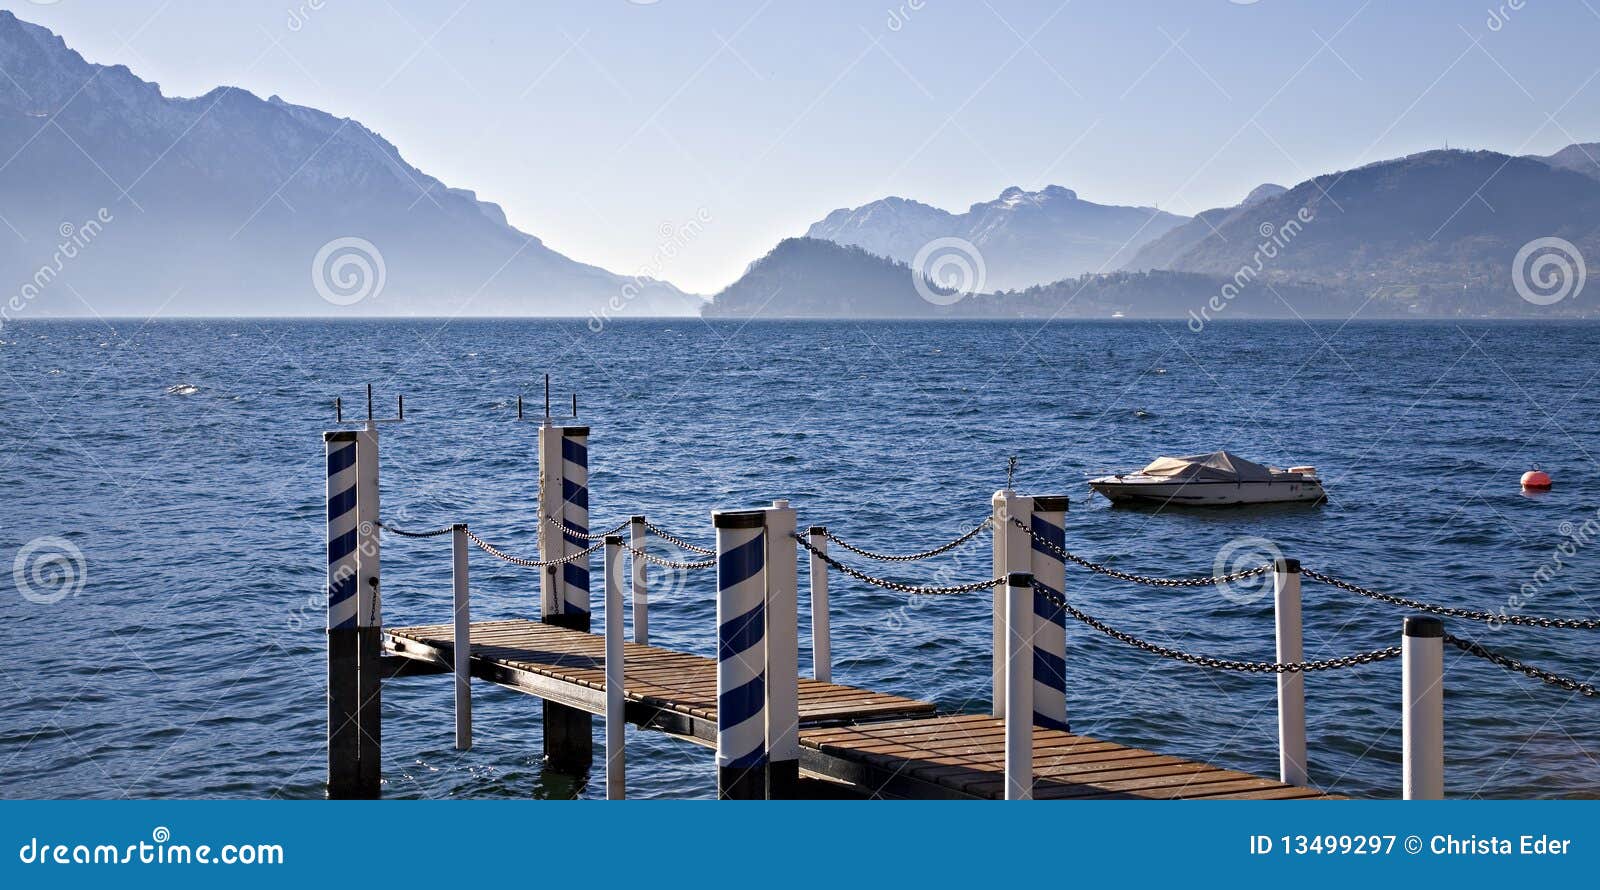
(434,533)
(896,585)
(1226,664)
(585,535)
(490,549)
(676,541)
(1453,612)
(667,563)
(1147,580)
(1511,664)
(907,557)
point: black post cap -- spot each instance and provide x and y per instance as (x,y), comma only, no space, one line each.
(1425,626)
(635,518)
(739,518)
(1286,566)
(1020,579)
(613,540)
(817,530)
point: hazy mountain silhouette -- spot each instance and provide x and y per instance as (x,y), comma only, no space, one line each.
(220,204)
(1024,237)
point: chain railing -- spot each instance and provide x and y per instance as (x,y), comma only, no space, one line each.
(1452,611)
(497,553)
(1511,664)
(1147,580)
(676,541)
(898,586)
(667,563)
(1211,661)
(596,536)
(908,557)
(431,533)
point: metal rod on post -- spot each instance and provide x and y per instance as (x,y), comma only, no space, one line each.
(462,637)
(616,701)
(783,654)
(741,657)
(638,535)
(1291,685)
(1011,554)
(344,691)
(369,609)
(1048,523)
(1019,686)
(1422,690)
(821,654)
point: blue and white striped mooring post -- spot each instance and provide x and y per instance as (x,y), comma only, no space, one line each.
(1422,717)
(369,610)
(1049,521)
(344,693)
(1019,653)
(564,588)
(616,696)
(742,756)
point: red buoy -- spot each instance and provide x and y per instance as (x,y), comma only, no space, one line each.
(1536,480)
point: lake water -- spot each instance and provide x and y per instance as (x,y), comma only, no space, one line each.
(184,461)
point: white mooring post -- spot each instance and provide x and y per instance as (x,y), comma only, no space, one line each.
(1291,686)
(344,751)
(1019,632)
(462,636)
(1422,721)
(821,654)
(741,654)
(783,654)
(1012,553)
(637,535)
(1049,525)
(369,610)
(616,701)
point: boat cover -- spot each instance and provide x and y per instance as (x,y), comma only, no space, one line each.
(1218,466)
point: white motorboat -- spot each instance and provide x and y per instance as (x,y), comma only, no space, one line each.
(1215,479)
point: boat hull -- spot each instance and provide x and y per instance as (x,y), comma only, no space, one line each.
(1211,494)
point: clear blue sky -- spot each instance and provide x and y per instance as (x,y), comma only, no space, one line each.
(595,122)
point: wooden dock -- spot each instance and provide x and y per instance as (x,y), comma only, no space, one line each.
(873,743)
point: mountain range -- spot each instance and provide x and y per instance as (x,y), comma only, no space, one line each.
(232,204)
(1025,238)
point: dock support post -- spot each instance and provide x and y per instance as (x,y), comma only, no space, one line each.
(1422,672)
(1019,593)
(637,537)
(1291,686)
(821,653)
(1049,524)
(369,612)
(564,588)
(344,691)
(462,636)
(1012,553)
(783,654)
(741,656)
(616,701)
